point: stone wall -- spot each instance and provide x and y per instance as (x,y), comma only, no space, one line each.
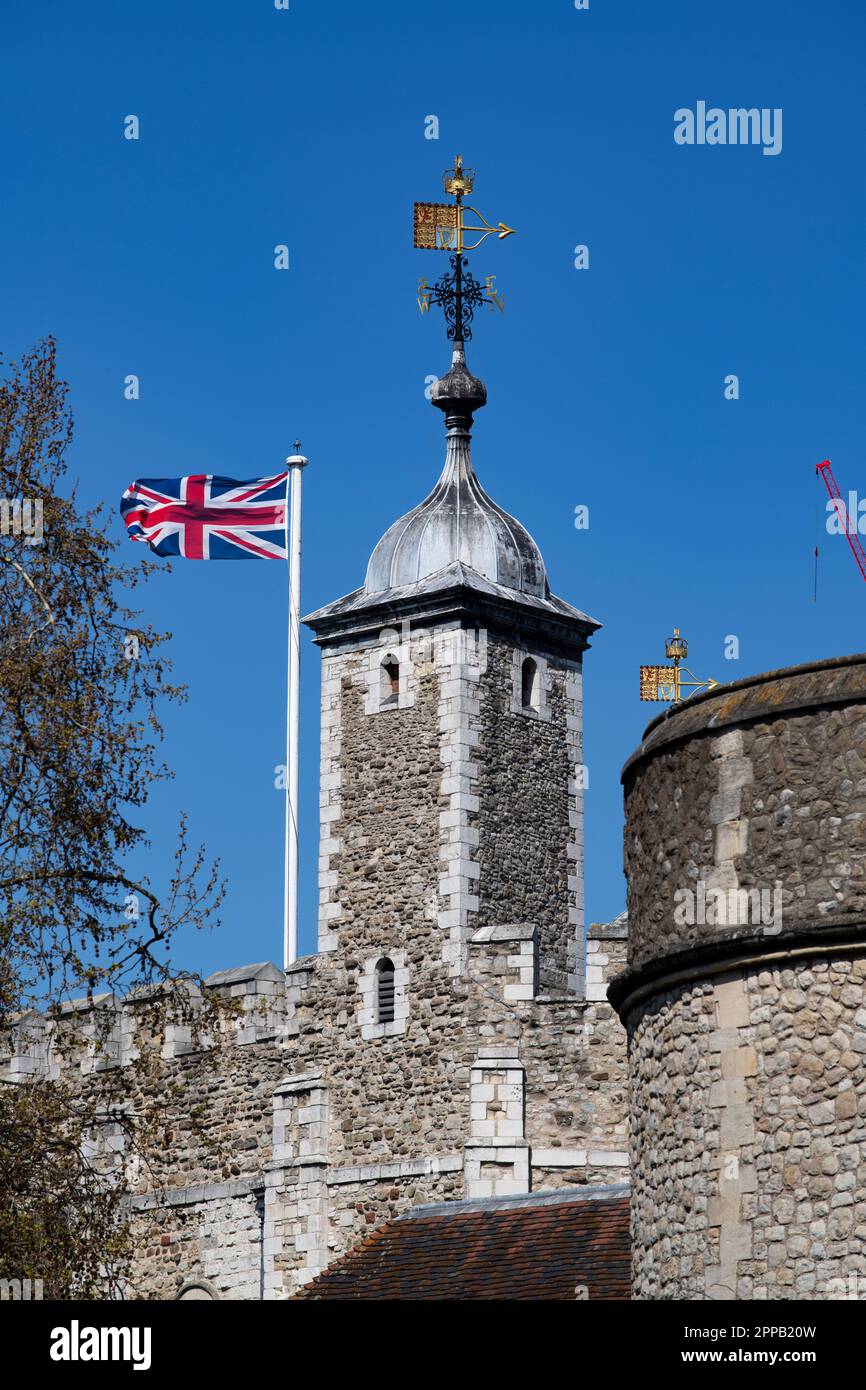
(752,1093)
(675,1154)
(209,1234)
(261,1176)
(745,1014)
(573,1051)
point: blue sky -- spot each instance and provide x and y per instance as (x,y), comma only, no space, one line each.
(606,386)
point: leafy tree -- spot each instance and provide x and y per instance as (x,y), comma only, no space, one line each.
(82,683)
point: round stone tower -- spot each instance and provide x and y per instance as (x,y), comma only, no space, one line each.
(745,991)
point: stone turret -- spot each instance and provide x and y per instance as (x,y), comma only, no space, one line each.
(745,992)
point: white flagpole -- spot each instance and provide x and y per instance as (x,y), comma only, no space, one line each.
(294,463)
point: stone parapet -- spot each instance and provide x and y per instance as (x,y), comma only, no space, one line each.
(105,1031)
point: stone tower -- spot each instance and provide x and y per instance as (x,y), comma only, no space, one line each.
(745,995)
(452,731)
(444,1041)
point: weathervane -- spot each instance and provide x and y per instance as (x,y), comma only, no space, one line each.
(442,227)
(665,683)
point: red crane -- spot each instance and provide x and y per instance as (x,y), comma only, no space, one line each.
(850,527)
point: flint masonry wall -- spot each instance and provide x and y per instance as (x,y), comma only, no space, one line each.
(530,802)
(747,1037)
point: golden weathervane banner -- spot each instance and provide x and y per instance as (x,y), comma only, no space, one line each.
(659,683)
(435,225)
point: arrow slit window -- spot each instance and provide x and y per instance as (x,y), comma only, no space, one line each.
(530,685)
(389,681)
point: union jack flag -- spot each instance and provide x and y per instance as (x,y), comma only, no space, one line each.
(203,517)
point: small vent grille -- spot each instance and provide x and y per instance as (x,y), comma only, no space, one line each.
(385,991)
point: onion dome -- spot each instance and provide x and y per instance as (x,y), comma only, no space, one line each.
(458,523)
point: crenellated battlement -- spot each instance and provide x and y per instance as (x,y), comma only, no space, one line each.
(106,1031)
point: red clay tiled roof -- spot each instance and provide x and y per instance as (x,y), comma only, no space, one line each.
(541,1246)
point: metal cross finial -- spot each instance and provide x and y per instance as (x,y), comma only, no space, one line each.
(459,294)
